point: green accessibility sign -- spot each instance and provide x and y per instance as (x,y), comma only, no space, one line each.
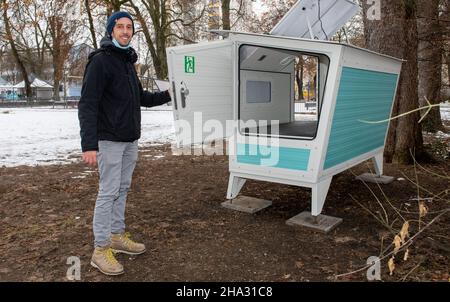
(189,64)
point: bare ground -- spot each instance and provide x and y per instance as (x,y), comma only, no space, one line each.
(174,208)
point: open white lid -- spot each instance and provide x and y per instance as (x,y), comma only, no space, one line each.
(315,19)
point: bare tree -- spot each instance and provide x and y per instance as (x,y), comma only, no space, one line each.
(445,25)
(214,17)
(430,54)
(114,5)
(299,71)
(233,12)
(226,21)
(189,16)
(62,26)
(163,16)
(6,6)
(352,32)
(396,35)
(28,40)
(275,11)
(225,13)
(87,6)
(158,12)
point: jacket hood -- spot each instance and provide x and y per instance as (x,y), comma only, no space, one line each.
(106,42)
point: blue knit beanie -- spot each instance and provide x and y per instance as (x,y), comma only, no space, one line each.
(114,17)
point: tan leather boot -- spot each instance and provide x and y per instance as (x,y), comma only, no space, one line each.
(121,243)
(103,259)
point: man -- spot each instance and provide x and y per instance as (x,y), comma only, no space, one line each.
(110,122)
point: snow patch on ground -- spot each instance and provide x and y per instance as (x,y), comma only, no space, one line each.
(45,136)
(445,111)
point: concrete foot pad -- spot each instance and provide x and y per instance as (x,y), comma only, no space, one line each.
(321,223)
(373,178)
(247,204)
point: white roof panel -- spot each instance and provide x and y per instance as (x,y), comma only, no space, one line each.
(3,82)
(37,83)
(315,19)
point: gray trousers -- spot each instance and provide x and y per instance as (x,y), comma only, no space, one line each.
(116,163)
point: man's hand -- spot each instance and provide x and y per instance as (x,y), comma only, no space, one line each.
(90,158)
(170,93)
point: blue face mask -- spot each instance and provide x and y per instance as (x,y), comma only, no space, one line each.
(116,44)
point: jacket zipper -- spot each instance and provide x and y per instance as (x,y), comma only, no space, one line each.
(130,85)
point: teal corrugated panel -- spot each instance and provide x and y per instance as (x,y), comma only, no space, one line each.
(276,157)
(363,95)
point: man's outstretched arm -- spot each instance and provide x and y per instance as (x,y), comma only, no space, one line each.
(149,99)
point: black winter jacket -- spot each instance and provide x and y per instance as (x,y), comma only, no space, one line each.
(112,96)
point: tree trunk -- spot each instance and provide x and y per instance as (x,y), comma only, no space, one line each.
(396,35)
(447,61)
(445,24)
(91,23)
(299,78)
(214,17)
(55,53)
(161,39)
(56,83)
(58,70)
(226,23)
(430,61)
(161,68)
(15,52)
(56,33)
(189,33)
(113,5)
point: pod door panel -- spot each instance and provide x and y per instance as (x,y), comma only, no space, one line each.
(201,78)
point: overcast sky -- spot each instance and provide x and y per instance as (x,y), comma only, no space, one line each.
(258,7)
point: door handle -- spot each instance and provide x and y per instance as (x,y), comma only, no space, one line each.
(174,95)
(184,91)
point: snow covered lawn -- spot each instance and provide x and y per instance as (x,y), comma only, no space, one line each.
(43,136)
(49,136)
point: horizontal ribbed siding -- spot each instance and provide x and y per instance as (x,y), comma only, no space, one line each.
(363,95)
(276,157)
